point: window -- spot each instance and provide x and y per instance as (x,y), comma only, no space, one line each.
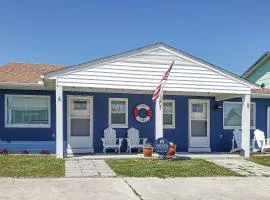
(118,113)
(232,115)
(169,114)
(27,111)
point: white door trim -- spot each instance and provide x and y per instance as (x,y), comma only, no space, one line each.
(91,147)
(268,121)
(198,149)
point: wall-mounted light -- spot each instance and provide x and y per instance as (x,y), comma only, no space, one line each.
(218,107)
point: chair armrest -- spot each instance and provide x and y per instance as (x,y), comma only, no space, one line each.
(144,140)
(103,140)
(120,140)
(267,141)
(128,141)
(253,143)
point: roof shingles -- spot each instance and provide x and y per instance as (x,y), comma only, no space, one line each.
(25,72)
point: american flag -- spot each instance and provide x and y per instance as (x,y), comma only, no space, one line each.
(161,83)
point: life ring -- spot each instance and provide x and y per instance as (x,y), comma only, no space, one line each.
(148,110)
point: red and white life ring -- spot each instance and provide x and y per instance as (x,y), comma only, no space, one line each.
(148,110)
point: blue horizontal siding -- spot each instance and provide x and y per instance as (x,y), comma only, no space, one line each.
(27,134)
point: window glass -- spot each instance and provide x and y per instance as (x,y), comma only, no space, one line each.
(197,108)
(168,114)
(79,105)
(32,110)
(118,112)
(232,113)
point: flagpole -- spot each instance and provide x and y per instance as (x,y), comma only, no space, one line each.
(159,111)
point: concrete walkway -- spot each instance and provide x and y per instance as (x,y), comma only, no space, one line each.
(216,188)
(65,188)
(243,167)
(87,168)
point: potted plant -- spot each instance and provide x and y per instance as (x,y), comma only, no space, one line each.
(24,151)
(147,150)
(4,151)
(172,150)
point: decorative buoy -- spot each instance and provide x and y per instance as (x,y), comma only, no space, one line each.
(138,117)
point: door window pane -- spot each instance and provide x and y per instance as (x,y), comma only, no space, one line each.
(197,108)
(198,111)
(198,128)
(79,105)
(80,127)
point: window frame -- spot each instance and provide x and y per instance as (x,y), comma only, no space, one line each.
(172,126)
(126,113)
(239,127)
(7,125)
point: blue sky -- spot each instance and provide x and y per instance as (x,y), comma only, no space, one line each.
(231,34)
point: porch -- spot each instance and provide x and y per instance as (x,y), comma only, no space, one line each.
(198,130)
(128,80)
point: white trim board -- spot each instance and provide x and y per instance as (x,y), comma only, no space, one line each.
(268,122)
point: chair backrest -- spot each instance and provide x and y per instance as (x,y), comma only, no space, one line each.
(110,136)
(259,137)
(237,137)
(133,136)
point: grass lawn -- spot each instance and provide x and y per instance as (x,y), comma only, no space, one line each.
(31,166)
(262,160)
(167,168)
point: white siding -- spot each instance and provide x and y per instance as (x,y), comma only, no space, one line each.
(144,71)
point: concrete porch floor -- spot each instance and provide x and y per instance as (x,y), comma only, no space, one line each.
(179,155)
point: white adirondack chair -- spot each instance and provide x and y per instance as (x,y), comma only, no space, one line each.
(134,140)
(236,140)
(260,140)
(110,141)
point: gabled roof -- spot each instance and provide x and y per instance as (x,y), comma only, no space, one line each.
(25,72)
(257,64)
(127,54)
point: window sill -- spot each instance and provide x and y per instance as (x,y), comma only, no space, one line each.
(118,126)
(236,127)
(168,127)
(27,126)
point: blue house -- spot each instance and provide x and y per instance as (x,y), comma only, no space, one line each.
(66,109)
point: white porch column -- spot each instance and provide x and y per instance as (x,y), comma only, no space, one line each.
(159,117)
(59,121)
(246,124)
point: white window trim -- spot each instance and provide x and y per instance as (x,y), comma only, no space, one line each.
(28,125)
(126,113)
(173,115)
(239,127)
